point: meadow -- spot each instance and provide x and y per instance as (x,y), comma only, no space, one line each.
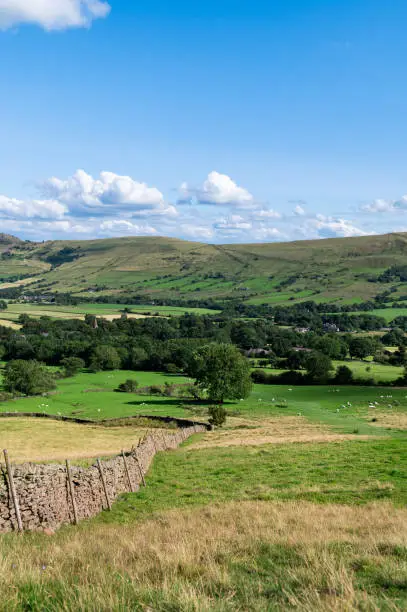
(108,311)
(297,502)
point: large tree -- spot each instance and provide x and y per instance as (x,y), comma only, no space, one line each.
(27,377)
(222,372)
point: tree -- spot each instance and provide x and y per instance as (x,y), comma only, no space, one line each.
(362,347)
(318,365)
(3,305)
(105,357)
(27,377)
(344,375)
(222,371)
(72,365)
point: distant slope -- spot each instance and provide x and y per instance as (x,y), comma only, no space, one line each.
(337,270)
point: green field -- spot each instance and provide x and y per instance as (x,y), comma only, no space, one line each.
(101,310)
(297,503)
(339,271)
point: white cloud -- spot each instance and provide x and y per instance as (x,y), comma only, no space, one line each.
(109,194)
(383,206)
(120,226)
(267,233)
(52,14)
(330,227)
(299,211)
(21,209)
(232,223)
(266,213)
(199,232)
(220,190)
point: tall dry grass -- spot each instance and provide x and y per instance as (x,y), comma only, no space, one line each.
(239,556)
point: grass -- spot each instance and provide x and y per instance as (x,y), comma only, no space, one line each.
(332,270)
(299,502)
(92,396)
(239,556)
(110,311)
(362,370)
(44,441)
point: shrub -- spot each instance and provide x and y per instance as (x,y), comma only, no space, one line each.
(217,415)
(129,386)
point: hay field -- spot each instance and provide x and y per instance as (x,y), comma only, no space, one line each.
(43,440)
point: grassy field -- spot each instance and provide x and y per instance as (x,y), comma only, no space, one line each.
(332,270)
(298,502)
(45,441)
(363,370)
(108,311)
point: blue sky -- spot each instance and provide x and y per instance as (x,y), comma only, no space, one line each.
(222,121)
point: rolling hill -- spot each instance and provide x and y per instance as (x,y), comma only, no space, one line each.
(340,270)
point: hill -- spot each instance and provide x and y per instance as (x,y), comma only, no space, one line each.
(341,270)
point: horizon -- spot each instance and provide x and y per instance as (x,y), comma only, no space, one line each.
(219,124)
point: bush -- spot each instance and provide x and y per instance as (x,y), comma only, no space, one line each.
(27,377)
(72,365)
(217,415)
(129,386)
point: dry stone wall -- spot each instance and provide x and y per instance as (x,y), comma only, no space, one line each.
(43,490)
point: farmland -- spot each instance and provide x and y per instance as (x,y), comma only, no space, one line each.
(301,497)
(108,311)
(333,270)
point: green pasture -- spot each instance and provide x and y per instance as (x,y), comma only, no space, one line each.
(90,395)
(66,312)
(362,370)
(352,472)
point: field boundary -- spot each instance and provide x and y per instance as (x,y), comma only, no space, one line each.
(179,422)
(41,497)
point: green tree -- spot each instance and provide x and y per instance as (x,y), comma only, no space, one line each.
(222,371)
(344,375)
(105,357)
(362,347)
(27,377)
(72,365)
(318,365)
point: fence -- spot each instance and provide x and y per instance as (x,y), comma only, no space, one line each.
(38,497)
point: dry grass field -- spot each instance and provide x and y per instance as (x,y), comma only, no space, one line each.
(45,440)
(276,430)
(238,556)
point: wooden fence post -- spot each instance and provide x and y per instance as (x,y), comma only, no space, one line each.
(102,476)
(13,491)
(127,472)
(141,472)
(72,493)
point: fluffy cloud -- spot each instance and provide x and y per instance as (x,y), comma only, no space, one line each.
(219,190)
(330,227)
(299,211)
(52,14)
(266,213)
(383,206)
(233,223)
(40,209)
(108,194)
(124,226)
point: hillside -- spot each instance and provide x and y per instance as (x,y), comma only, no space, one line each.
(338,270)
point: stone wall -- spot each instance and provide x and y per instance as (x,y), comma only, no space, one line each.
(43,490)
